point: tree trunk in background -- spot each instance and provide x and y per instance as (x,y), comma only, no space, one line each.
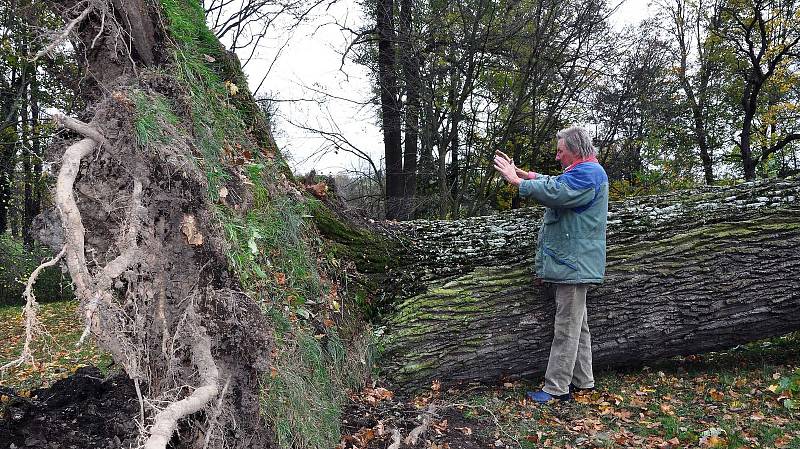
(687,272)
(27,169)
(7,161)
(426,169)
(411,66)
(449,201)
(749,104)
(36,148)
(8,133)
(390,108)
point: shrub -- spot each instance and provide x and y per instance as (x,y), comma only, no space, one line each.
(16,265)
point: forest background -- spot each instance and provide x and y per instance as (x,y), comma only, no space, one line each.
(703,92)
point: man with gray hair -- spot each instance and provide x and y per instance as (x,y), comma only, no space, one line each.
(570,253)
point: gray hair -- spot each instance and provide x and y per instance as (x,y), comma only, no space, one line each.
(578,141)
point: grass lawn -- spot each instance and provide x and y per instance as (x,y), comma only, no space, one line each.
(743,398)
(55,353)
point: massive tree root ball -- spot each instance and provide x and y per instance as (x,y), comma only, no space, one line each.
(137,198)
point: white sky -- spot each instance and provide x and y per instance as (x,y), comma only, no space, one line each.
(310,59)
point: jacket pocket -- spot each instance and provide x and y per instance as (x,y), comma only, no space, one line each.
(557,265)
(550,216)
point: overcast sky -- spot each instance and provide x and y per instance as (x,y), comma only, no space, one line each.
(310,59)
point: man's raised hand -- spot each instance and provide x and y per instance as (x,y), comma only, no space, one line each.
(506,168)
(503,155)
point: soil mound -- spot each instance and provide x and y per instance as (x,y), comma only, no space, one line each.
(82,411)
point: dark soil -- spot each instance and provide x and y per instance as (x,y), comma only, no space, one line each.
(368,424)
(83,411)
(87,411)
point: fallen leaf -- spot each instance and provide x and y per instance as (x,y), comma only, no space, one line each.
(189,228)
(365,435)
(319,189)
(232,88)
(713,441)
(532,438)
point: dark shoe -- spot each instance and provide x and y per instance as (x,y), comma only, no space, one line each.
(543,397)
(574,389)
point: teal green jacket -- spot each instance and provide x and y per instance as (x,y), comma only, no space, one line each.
(571,248)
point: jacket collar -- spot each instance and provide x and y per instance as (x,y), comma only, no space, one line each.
(580,161)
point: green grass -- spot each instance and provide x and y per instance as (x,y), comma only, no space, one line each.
(56,354)
(152,113)
(683,399)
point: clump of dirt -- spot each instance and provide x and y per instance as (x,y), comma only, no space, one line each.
(374,418)
(82,411)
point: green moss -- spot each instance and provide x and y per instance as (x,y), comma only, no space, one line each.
(715,239)
(415,367)
(370,252)
(373,255)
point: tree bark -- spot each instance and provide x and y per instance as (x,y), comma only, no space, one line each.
(411,66)
(390,108)
(688,272)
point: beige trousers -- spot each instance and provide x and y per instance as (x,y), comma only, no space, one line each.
(571,352)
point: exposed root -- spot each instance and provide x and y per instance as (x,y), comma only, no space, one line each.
(138,303)
(141,403)
(396,438)
(64,34)
(32,324)
(217,410)
(71,217)
(166,421)
(116,267)
(84,129)
(416,432)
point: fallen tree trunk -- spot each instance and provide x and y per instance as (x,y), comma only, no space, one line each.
(688,272)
